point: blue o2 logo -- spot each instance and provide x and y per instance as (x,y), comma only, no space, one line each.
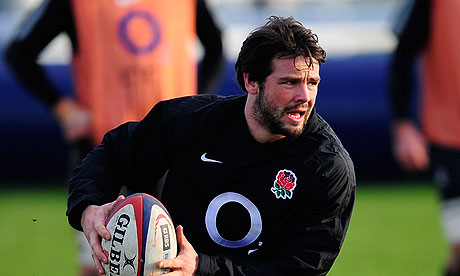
(211,220)
(154,28)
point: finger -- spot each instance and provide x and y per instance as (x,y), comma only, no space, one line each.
(102,231)
(417,161)
(171,263)
(422,160)
(98,264)
(99,253)
(180,233)
(408,159)
(95,244)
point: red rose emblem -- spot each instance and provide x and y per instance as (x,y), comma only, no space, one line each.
(284,184)
(286,180)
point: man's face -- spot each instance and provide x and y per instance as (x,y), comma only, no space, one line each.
(285,100)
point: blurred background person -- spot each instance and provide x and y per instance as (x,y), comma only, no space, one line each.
(127,55)
(430,29)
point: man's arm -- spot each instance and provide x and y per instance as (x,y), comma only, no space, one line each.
(45,23)
(93,224)
(132,154)
(111,165)
(413,36)
(212,64)
(410,146)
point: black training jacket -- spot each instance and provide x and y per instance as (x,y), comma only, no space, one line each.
(247,208)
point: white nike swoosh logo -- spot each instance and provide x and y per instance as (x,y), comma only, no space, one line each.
(205,159)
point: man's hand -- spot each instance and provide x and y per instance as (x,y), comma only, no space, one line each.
(93,224)
(410,147)
(75,121)
(186,263)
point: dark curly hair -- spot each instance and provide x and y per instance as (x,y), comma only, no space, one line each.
(279,37)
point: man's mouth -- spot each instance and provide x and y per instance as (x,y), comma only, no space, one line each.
(296,115)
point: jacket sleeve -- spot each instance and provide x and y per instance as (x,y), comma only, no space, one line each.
(131,155)
(320,228)
(412,34)
(37,30)
(212,63)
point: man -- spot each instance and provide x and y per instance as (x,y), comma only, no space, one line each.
(260,182)
(127,56)
(431,28)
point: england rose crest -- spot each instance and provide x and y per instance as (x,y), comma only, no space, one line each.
(284,184)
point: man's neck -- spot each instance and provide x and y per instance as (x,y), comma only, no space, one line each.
(258,132)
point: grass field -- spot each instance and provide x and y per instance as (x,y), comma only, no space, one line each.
(394,231)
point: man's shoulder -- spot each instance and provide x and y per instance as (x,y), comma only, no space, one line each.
(328,145)
(197,101)
(198,104)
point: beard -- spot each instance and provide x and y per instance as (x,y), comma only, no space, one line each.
(270,116)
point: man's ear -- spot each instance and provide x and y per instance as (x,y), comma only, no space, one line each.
(251,86)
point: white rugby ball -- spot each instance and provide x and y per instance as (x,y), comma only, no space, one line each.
(142,235)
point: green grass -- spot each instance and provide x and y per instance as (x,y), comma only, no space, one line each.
(394,231)
(35,238)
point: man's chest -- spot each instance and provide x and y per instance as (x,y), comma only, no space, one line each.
(209,169)
(233,198)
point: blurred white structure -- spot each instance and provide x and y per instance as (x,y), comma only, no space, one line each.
(344,27)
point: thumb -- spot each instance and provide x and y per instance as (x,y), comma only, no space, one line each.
(118,200)
(108,207)
(181,239)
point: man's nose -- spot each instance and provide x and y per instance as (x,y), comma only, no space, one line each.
(303,94)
